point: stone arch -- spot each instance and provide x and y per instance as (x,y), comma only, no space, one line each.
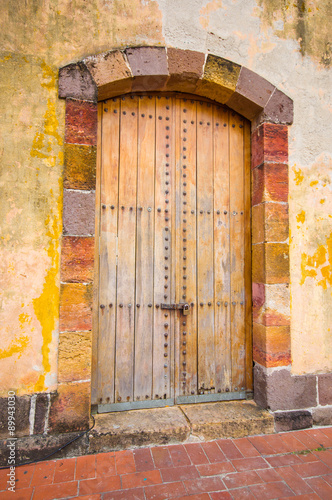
(270,111)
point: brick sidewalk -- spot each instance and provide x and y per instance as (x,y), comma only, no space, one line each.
(259,467)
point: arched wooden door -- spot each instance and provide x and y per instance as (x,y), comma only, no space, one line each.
(174,246)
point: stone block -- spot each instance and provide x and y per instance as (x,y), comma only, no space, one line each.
(325,389)
(22,413)
(270,222)
(292,420)
(149,68)
(41,412)
(258,263)
(269,144)
(270,263)
(77,258)
(219,79)
(81,122)
(70,409)
(74,362)
(258,223)
(147,60)
(271,304)
(251,94)
(231,419)
(187,63)
(39,446)
(279,109)
(80,167)
(276,262)
(271,345)
(111,73)
(78,213)
(276,222)
(290,392)
(270,183)
(128,429)
(76,82)
(75,307)
(260,386)
(185,68)
(322,416)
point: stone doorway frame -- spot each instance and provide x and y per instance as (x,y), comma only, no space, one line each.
(137,69)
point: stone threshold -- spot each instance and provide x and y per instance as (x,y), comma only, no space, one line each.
(178,424)
(150,427)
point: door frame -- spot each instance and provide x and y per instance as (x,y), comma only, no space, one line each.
(270,111)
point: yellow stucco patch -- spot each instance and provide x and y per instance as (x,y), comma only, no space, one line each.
(313,183)
(49,77)
(46,306)
(42,146)
(17,346)
(319,264)
(301,217)
(322,201)
(298,176)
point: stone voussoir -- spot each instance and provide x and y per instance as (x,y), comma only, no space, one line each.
(251,95)
(76,82)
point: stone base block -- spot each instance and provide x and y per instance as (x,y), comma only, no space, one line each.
(292,420)
(39,447)
(322,416)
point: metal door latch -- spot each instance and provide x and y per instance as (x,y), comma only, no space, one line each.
(184,307)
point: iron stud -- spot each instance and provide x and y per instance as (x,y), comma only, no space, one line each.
(102,306)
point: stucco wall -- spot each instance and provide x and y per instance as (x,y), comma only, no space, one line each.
(287,43)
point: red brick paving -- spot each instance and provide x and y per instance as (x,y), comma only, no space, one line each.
(257,468)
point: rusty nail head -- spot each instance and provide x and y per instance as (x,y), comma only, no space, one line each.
(102,306)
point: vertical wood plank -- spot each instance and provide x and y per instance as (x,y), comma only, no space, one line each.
(247,256)
(186,340)
(163,338)
(222,345)
(126,306)
(237,251)
(205,260)
(107,250)
(95,318)
(144,250)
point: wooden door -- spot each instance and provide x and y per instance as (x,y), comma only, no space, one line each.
(174,229)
